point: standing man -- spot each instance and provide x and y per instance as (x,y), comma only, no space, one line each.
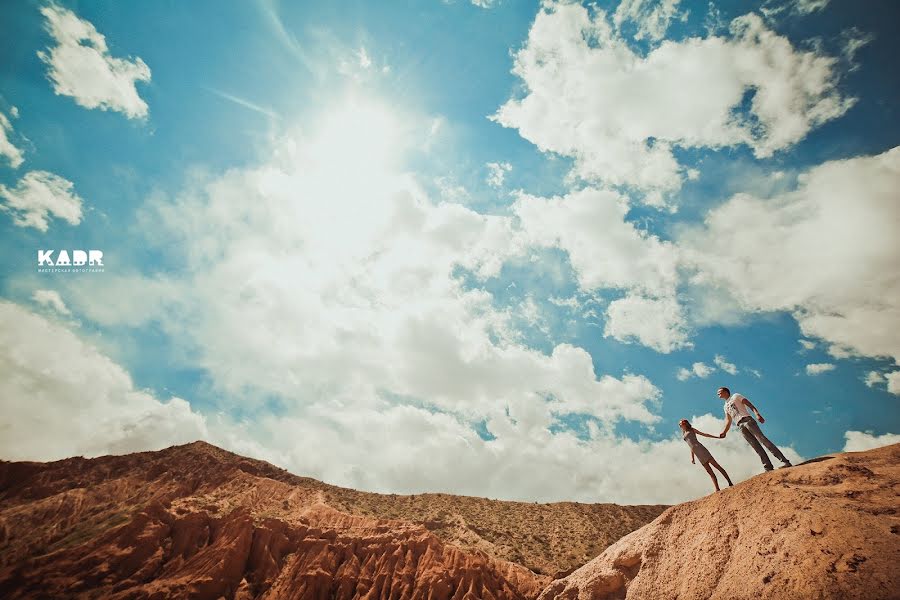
(736,411)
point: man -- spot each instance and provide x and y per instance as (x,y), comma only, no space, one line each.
(736,412)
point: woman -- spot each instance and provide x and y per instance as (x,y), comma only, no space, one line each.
(698,450)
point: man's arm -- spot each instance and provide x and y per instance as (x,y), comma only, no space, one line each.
(749,405)
(727,425)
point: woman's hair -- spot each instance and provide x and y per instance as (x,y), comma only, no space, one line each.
(686,422)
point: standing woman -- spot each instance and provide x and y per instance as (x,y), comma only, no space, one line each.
(699,450)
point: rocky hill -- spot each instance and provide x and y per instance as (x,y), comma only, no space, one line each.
(827,529)
(196,521)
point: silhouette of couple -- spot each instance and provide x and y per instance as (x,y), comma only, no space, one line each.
(736,411)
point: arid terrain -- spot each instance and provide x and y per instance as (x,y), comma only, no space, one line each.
(197,521)
(827,529)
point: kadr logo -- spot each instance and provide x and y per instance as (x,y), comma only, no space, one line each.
(81,261)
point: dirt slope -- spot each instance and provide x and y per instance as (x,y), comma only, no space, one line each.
(196,521)
(829,528)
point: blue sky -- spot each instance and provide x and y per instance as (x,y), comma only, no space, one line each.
(442,246)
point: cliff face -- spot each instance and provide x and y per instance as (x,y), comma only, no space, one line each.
(198,522)
(829,528)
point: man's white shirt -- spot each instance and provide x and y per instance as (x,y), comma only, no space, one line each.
(735,407)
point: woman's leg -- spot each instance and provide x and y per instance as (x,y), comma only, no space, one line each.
(712,475)
(719,467)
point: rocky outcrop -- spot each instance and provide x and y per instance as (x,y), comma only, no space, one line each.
(827,529)
(198,522)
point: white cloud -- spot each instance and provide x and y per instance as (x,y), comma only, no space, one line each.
(874,378)
(651,17)
(52,299)
(808,251)
(775,8)
(60,397)
(497,173)
(40,196)
(893,382)
(81,66)
(657,323)
(726,366)
(858,441)
(698,369)
(364,61)
(805,7)
(484,3)
(521,463)
(854,40)
(68,399)
(337,296)
(372,307)
(807,344)
(819,368)
(620,115)
(605,250)
(12,154)
(608,252)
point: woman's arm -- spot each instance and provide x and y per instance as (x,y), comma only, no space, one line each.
(692,456)
(698,432)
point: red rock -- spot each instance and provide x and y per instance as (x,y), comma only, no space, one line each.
(197,522)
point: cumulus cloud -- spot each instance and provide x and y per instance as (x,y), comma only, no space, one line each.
(81,66)
(657,323)
(10,152)
(61,397)
(819,368)
(807,251)
(807,344)
(608,252)
(698,369)
(497,173)
(520,463)
(651,18)
(69,399)
(40,196)
(620,115)
(857,441)
(52,299)
(368,334)
(273,302)
(873,378)
(726,366)
(893,382)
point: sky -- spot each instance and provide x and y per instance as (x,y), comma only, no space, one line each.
(487,247)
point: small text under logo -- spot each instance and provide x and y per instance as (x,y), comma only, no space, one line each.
(80,261)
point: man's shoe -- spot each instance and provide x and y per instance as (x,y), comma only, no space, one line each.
(787,463)
(768,469)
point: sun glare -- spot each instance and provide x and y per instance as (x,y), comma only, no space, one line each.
(360,134)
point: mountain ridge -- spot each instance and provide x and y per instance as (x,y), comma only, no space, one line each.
(499,548)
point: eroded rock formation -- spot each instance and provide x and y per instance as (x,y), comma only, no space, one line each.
(197,522)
